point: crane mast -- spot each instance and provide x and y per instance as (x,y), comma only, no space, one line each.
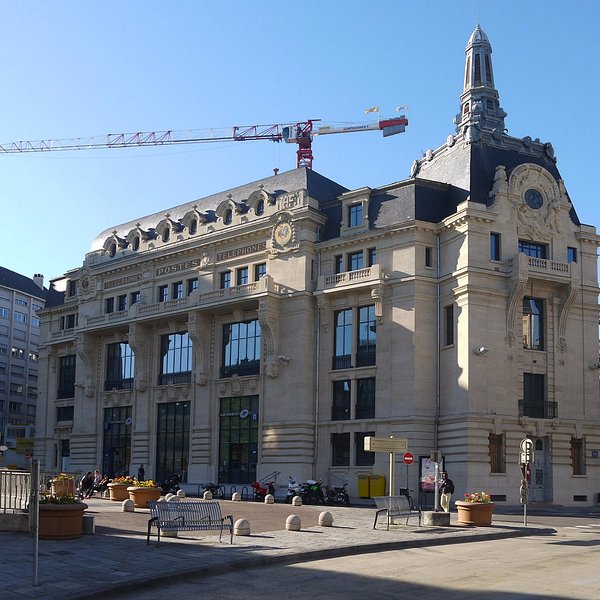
(301,133)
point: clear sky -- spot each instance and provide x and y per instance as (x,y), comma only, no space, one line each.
(81,68)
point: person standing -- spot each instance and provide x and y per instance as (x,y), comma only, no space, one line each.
(446,491)
(141,473)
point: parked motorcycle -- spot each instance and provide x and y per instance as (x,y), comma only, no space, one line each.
(262,489)
(294,489)
(311,492)
(214,488)
(171,485)
(337,494)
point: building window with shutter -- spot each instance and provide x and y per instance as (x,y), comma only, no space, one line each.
(497,455)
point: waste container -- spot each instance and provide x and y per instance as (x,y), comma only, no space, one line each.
(363,486)
(376,485)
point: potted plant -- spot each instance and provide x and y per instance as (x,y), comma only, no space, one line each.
(475,509)
(63,485)
(142,491)
(61,517)
(118,488)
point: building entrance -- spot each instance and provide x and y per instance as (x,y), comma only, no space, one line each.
(173,444)
(238,439)
(538,491)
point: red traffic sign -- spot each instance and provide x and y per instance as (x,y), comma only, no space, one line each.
(408,458)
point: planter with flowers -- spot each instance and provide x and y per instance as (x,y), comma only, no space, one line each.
(118,488)
(475,509)
(61,517)
(143,491)
(63,485)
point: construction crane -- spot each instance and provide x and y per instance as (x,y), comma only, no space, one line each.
(300,133)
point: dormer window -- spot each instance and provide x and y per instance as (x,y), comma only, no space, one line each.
(260,207)
(112,249)
(193,226)
(228,217)
(136,243)
(165,234)
(355,215)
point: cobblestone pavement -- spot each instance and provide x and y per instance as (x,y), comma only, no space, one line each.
(117,556)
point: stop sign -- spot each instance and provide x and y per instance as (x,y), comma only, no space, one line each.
(408,458)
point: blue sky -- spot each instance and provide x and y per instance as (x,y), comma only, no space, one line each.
(76,69)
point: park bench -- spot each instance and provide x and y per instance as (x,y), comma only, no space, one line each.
(204,515)
(392,507)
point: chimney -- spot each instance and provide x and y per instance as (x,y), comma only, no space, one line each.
(38,279)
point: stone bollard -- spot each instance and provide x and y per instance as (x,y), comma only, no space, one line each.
(127,506)
(325,519)
(269,499)
(296,501)
(207,495)
(293,523)
(181,493)
(241,527)
(236,497)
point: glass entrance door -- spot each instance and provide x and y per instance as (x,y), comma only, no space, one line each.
(116,454)
(238,439)
(173,444)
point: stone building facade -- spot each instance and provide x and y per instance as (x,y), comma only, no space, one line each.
(273,326)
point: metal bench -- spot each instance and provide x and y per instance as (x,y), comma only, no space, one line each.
(204,515)
(394,506)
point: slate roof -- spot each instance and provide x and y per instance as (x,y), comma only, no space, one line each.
(319,187)
(21,283)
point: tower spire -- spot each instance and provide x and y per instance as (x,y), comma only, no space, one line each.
(479,101)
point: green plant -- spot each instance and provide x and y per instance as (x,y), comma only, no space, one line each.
(66,499)
(479,497)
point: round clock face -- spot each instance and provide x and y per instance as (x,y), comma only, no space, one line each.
(533,198)
(283,233)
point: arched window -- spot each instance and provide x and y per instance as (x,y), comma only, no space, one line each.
(112,249)
(165,234)
(228,217)
(136,243)
(260,207)
(193,227)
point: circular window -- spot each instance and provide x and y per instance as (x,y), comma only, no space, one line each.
(534,199)
(136,243)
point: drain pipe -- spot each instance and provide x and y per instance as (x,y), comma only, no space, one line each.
(436,425)
(317,372)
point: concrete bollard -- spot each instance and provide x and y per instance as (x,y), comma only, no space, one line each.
(325,519)
(269,499)
(293,523)
(296,501)
(236,497)
(241,527)
(207,495)
(181,493)
(127,506)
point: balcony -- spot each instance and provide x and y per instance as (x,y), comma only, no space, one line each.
(195,300)
(344,361)
(174,378)
(350,279)
(118,384)
(532,267)
(538,409)
(244,368)
(366,356)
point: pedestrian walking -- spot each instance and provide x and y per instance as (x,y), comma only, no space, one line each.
(446,491)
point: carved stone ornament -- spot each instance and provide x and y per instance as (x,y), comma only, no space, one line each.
(173,393)
(87,283)
(283,235)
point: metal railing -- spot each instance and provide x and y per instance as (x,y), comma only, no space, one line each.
(15,487)
(538,409)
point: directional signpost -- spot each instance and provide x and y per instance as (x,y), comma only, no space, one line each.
(392,445)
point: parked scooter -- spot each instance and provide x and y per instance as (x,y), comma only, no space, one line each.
(294,489)
(337,494)
(262,489)
(171,485)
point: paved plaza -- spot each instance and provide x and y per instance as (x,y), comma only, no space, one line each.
(117,556)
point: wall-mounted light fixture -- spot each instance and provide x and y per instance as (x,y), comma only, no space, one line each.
(481,350)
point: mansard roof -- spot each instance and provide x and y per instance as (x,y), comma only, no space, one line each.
(20,283)
(318,187)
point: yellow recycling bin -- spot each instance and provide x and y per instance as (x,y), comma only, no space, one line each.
(376,485)
(363,486)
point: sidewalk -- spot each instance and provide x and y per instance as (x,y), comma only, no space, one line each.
(117,557)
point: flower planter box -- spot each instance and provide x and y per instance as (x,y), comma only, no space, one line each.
(118,491)
(141,495)
(61,521)
(63,487)
(475,513)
